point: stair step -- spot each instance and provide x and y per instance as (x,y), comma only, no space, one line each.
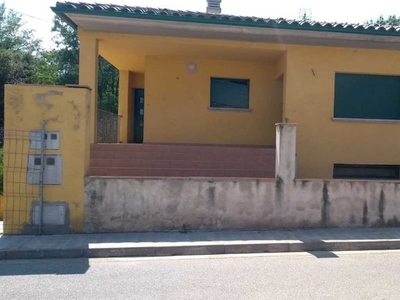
(265,164)
(182,160)
(181,148)
(180,173)
(249,156)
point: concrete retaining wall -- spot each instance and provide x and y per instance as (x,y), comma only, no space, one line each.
(136,204)
(132,204)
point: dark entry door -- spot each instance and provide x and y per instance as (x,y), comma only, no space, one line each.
(138,115)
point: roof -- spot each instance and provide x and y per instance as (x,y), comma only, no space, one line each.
(163,14)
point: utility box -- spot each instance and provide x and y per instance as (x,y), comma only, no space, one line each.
(51,140)
(53,214)
(52,169)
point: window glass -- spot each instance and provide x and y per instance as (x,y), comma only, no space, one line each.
(230,93)
(367,97)
(379,172)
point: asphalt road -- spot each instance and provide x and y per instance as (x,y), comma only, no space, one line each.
(352,275)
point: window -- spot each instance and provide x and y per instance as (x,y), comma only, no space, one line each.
(230,93)
(367,97)
(379,172)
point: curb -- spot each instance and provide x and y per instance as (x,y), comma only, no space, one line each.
(202,249)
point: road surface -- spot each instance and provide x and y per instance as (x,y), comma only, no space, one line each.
(350,275)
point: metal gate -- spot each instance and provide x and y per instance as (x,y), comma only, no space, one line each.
(107,127)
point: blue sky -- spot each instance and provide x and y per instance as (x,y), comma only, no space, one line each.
(37,13)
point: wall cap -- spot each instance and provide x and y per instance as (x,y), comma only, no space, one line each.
(286,124)
(78,86)
(230,109)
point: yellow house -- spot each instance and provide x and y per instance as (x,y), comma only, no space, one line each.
(200,93)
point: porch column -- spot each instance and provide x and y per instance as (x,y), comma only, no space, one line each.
(124,99)
(88,75)
(286,160)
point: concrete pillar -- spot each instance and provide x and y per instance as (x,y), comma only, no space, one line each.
(88,76)
(124,105)
(285,168)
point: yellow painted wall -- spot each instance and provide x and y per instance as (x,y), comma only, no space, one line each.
(128,81)
(124,102)
(177,103)
(88,74)
(177,111)
(137,80)
(321,142)
(296,85)
(66,110)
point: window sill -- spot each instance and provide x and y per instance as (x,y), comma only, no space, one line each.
(365,120)
(230,109)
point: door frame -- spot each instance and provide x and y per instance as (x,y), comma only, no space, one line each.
(138,118)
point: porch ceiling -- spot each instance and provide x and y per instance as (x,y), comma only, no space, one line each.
(128,52)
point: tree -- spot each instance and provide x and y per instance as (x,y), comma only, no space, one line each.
(18,50)
(66,55)
(22,60)
(46,68)
(63,63)
(12,34)
(108,86)
(392,20)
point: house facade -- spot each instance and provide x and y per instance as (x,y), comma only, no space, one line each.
(224,122)
(226,80)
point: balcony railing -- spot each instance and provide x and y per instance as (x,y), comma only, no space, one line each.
(107,127)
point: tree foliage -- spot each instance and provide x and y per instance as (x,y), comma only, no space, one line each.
(66,54)
(23,61)
(18,53)
(392,20)
(61,66)
(12,34)
(108,86)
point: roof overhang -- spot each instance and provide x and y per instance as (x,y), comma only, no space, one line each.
(153,27)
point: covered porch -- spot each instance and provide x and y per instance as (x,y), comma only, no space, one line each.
(168,123)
